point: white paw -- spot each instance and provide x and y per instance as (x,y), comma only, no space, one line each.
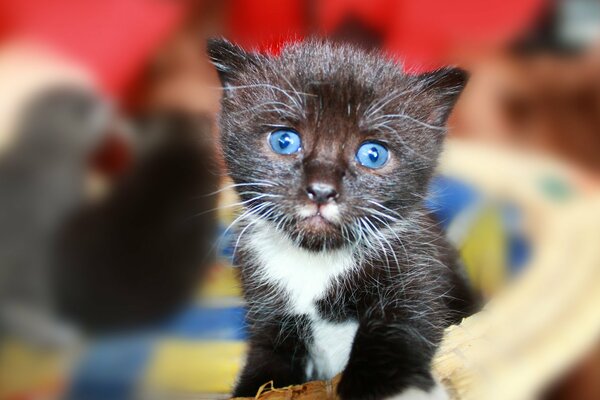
(436,393)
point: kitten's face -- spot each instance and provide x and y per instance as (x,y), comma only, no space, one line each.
(327,141)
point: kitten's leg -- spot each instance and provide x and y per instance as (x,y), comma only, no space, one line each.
(277,353)
(391,360)
(264,365)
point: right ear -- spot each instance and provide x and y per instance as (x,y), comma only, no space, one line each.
(229,59)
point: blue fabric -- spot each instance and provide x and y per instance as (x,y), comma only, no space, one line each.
(447,197)
(218,323)
(110,368)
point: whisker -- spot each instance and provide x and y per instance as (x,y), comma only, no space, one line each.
(237,204)
(376,212)
(384,207)
(235,185)
(409,118)
(381,103)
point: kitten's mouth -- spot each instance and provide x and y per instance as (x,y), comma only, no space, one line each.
(318,221)
(327,214)
(318,227)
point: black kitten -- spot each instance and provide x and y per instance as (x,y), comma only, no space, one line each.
(332,149)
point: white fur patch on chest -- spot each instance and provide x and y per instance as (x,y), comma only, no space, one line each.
(305,276)
(330,349)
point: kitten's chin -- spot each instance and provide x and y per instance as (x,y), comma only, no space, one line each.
(317,223)
(316,233)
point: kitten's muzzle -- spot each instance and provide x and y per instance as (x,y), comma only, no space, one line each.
(321,193)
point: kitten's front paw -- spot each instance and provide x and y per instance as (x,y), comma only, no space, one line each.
(437,392)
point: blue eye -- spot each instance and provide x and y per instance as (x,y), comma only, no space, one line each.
(372,155)
(285,141)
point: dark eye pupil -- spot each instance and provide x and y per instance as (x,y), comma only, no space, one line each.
(284,141)
(373,154)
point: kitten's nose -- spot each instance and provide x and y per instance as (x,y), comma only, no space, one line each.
(321,193)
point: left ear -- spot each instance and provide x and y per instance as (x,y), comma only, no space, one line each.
(230,59)
(441,89)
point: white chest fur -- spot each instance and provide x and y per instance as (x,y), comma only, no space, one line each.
(330,348)
(306,276)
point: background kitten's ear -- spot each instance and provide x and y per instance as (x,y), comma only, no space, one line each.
(442,89)
(229,59)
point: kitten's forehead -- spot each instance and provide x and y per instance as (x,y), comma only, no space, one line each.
(327,90)
(334,88)
(337,71)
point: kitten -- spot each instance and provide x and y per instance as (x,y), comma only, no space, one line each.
(126,260)
(331,149)
(41,180)
(137,256)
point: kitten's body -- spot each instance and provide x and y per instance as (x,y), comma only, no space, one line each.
(361,283)
(309,304)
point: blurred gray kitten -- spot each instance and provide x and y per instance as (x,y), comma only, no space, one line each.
(67,261)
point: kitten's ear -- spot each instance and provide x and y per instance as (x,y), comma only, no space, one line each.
(442,89)
(229,59)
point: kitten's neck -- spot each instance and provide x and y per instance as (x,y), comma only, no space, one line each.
(264,234)
(305,274)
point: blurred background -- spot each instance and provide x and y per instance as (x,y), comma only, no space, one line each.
(116,225)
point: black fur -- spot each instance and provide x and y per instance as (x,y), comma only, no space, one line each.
(274,356)
(407,287)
